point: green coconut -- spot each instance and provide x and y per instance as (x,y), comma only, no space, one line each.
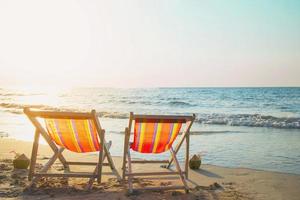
(195,162)
(21,162)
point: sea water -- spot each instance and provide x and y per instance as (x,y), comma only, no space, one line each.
(255,128)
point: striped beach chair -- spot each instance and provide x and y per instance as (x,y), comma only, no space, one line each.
(155,134)
(76,132)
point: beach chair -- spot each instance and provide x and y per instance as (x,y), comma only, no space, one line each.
(77,132)
(155,134)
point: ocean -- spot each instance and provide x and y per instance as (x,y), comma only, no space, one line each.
(256,128)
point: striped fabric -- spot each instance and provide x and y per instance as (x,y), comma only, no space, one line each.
(152,136)
(74,134)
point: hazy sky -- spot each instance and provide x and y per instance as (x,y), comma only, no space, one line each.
(150,43)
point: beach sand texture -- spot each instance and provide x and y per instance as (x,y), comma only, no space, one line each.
(210,182)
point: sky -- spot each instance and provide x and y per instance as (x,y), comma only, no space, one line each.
(156,43)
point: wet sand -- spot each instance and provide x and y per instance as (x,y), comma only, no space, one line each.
(210,182)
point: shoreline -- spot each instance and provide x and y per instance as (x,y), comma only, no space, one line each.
(207,183)
(118,156)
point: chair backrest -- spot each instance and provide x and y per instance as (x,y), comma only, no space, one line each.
(156,133)
(78,135)
(77,132)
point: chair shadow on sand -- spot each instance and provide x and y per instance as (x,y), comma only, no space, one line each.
(203,172)
(207,173)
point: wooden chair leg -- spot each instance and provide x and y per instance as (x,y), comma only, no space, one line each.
(100,160)
(111,164)
(187,156)
(183,136)
(48,165)
(126,142)
(34,154)
(91,180)
(47,138)
(176,149)
(130,187)
(179,170)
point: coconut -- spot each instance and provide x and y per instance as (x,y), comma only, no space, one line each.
(195,162)
(21,162)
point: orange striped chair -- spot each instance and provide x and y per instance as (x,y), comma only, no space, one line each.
(155,134)
(76,132)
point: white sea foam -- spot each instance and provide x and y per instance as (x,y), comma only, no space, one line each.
(254,120)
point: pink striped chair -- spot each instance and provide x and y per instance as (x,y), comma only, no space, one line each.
(77,132)
(155,134)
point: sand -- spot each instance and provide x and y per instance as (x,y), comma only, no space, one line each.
(210,182)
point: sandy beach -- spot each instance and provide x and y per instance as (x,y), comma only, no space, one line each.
(210,182)
(173,82)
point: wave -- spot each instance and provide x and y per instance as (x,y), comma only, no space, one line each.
(114,115)
(18,108)
(212,132)
(179,103)
(252,120)
(136,102)
(160,102)
(5,93)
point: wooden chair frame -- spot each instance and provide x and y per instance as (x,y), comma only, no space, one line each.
(103,151)
(188,120)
